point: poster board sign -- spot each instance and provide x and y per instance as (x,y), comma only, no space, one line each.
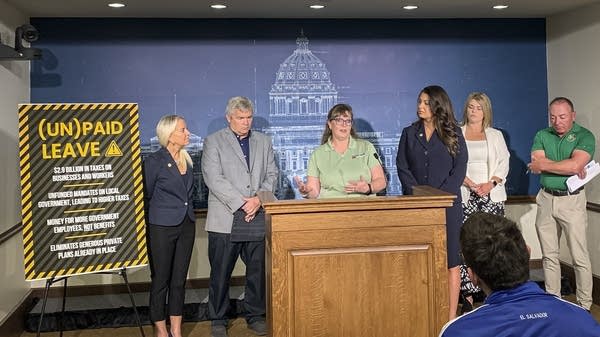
(81,188)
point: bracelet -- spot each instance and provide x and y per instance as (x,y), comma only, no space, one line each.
(370,190)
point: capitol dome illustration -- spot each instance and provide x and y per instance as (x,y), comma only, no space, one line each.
(302,88)
(299,101)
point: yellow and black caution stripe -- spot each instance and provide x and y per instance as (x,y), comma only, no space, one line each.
(83,155)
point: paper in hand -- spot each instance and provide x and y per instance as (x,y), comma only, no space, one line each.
(591,169)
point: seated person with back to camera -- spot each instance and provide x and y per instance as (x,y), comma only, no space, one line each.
(495,251)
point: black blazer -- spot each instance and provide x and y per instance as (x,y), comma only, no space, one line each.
(422,162)
(168,193)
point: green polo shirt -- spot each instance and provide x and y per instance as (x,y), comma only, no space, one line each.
(334,170)
(560,148)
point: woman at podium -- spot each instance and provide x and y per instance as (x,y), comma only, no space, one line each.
(432,151)
(343,165)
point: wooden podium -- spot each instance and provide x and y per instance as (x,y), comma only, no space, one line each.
(358,267)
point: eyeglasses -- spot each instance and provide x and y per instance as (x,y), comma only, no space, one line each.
(341,121)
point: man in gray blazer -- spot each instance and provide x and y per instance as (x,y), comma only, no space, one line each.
(236,164)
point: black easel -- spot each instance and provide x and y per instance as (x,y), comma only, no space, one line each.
(50,281)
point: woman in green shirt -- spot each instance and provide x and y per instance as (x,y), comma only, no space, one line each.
(343,165)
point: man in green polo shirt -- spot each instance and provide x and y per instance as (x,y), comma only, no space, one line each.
(558,152)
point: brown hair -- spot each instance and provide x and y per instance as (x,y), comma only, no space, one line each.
(336,111)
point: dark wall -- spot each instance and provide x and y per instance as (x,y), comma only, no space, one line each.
(191,67)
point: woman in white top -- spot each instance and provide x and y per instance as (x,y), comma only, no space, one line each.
(483,188)
(487,167)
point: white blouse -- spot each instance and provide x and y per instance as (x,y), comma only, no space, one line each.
(497,159)
(477,167)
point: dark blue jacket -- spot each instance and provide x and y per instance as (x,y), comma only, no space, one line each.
(422,162)
(524,311)
(168,193)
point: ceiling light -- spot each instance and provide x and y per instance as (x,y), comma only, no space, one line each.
(500,7)
(410,7)
(218,6)
(116,5)
(317,6)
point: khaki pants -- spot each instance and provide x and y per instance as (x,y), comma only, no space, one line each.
(568,214)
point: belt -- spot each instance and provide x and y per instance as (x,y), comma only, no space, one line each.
(561,193)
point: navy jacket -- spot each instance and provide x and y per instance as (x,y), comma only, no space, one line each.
(168,194)
(524,311)
(422,162)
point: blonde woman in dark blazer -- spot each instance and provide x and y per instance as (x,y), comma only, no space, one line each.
(169,186)
(483,188)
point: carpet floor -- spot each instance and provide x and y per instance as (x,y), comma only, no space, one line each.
(237,327)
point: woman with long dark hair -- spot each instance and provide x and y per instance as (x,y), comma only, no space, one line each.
(432,151)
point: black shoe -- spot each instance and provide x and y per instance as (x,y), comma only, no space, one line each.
(218,331)
(258,327)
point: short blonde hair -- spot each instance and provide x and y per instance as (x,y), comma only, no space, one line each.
(486,107)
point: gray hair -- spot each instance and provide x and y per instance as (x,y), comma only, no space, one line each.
(238,103)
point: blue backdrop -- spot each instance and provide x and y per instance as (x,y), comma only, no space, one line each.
(191,67)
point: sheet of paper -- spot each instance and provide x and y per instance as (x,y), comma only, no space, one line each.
(592,169)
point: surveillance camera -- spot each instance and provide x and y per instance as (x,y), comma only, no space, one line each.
(19,52)
(27,33)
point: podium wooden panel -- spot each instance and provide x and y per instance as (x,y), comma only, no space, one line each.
(358,267)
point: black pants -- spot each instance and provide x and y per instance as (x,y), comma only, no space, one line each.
(170,251)
(222,255)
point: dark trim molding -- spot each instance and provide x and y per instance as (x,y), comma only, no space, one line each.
(530,199)
(201,212)
(14,325)
(9,233)
(520,199)
(535,264)
(120,288)
(593,207)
